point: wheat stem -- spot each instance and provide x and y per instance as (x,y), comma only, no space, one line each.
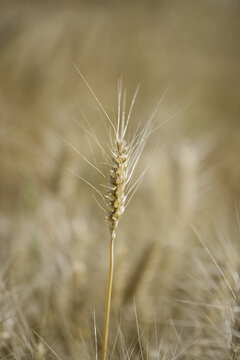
(108,298)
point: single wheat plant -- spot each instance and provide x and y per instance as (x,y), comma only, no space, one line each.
(121,160)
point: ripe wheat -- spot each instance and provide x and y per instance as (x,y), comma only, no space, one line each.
(125,152)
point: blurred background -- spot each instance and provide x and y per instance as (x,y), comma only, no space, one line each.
(53,238)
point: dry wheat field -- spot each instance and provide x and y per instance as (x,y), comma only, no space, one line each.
(120,180)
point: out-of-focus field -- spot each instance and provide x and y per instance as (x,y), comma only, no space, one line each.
(177,250)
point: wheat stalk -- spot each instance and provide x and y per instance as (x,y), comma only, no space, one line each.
(121,169)
(125,152)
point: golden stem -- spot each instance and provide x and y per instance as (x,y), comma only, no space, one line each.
(108,298)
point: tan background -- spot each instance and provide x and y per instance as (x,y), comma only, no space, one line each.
(54,241)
